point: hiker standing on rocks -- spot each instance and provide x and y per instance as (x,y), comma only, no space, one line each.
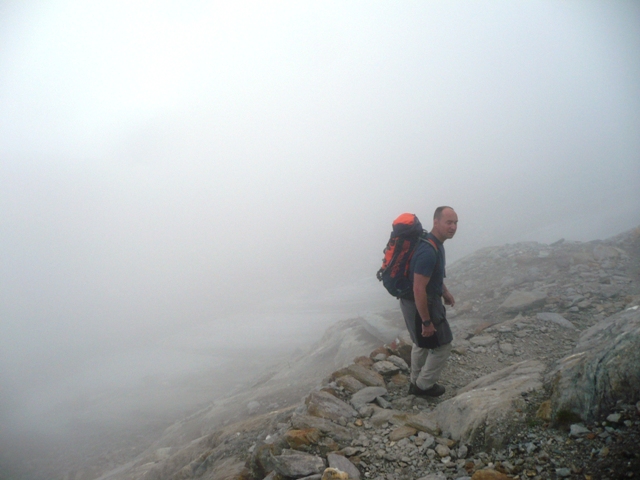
(425,315)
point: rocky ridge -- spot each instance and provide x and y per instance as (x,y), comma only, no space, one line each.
(525,327)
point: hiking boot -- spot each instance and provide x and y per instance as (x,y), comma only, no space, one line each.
(435,391)
(412,389)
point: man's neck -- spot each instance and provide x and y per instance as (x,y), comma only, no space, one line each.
(440,239)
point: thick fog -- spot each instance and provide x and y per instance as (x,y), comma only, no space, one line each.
(182,181)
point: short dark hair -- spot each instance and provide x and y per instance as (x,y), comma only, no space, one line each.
(438,213)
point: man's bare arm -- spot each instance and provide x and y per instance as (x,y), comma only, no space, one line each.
(420,283)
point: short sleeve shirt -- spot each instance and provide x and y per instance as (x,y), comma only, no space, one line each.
(426,261)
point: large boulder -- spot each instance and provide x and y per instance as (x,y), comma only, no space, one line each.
(603,369)
(486,410)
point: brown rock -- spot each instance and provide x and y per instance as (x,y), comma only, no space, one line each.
(399,379)
(401,432)
(302,438)
(364,361)
(544,411)
(379,350)
(488,474)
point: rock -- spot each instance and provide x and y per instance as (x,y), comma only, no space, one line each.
(614,418)
(604,368)
(386,368)
(331,474)
(489,474)
(563,472)
(424,423)
(401,432)
(298,464)
(367,395)
(341,463)
(327,427)
(363,361)
(555,318)
(434,476)
(442,450)
(486,408)
(394,417)
(520,301)
(324,405)
(349,383)
(253,407)
(399,362)
(483,340)
(302,438)
(506,348)
(365,375)
(544,411)
(577,430)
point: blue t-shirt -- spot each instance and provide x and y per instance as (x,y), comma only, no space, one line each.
(426,261)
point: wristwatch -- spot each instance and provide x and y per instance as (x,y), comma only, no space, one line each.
(426,323)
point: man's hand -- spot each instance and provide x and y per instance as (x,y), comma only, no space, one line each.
(448,298)
(428,330)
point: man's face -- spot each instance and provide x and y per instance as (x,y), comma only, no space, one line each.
(445,227)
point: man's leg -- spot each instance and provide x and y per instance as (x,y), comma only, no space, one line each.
(418,359)
(432,368)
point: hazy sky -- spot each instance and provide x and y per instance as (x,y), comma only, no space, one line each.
(168,163)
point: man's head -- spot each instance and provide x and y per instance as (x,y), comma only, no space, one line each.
(445,223)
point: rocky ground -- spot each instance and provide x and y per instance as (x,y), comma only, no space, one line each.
(522,306)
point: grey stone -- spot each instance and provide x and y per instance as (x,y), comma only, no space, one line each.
(386,368)
(604,368)
(563,472)
(293,463)
(324,405)
(614,418)
(555,318)
(349,383)
(366,395)
(483,340)
(578,429)
(343,464)
(424,423)
(507,348)
(365,375)
(520,301)
(398,362)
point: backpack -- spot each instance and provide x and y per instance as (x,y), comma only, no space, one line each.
(394,273)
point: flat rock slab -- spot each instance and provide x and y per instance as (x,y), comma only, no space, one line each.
(324,405)
(603,369)
(382,415)
(486,407)
(555,318)
(293,463)
(365,375)
(402,432)
(483,340)
(344,465)
(520,301)
(367,395)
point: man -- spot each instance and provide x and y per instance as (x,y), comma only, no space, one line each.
(425,315)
